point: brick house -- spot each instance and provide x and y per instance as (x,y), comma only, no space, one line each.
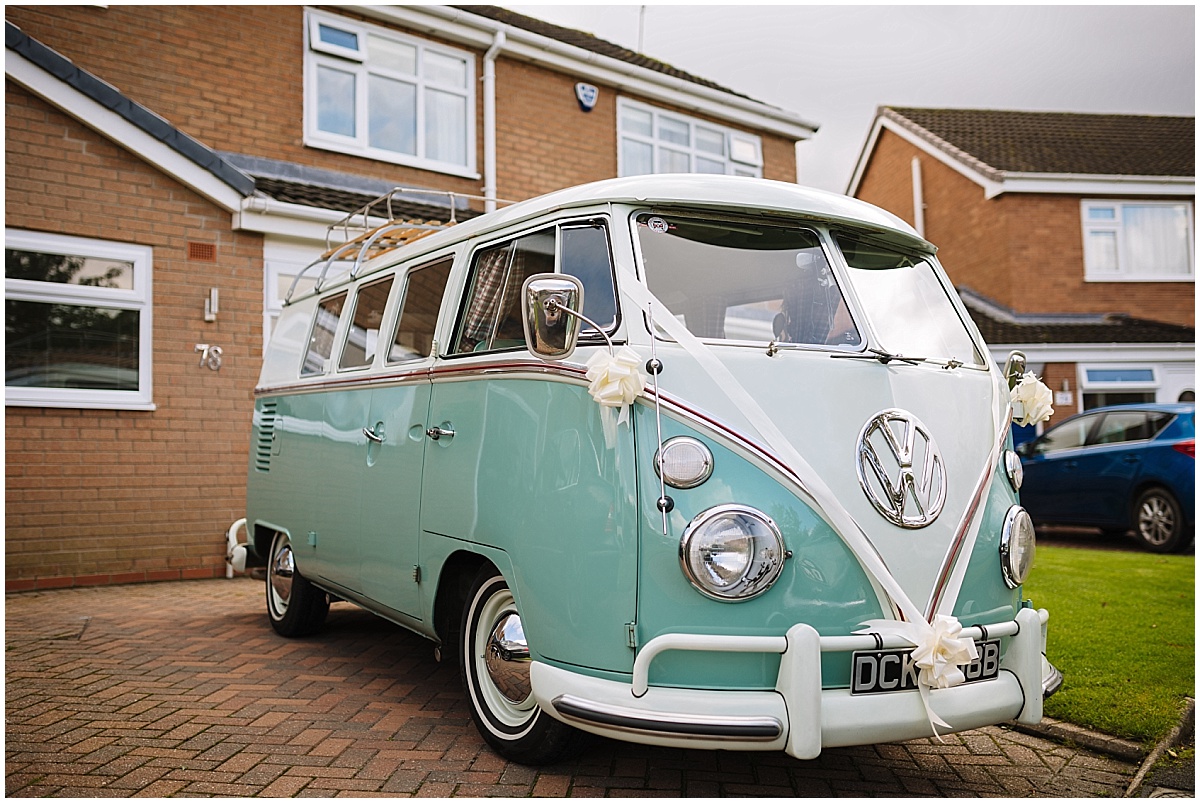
(164,186)
(1069,236)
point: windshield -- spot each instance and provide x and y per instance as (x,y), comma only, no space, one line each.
(744,281)
(906,303)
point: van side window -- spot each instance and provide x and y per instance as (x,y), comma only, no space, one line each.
(419,313)
(493,314)
(492,320)
(320,342)
(362,341)
(585,255)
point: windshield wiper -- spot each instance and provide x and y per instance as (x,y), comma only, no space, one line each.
(884,357)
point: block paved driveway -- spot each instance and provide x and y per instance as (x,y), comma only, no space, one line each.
(183,689)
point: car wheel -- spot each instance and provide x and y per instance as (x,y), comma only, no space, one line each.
(495,676)
(1159,521)
(294,605)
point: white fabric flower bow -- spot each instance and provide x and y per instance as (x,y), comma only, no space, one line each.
(615,380)
(1031,400)
(941,651)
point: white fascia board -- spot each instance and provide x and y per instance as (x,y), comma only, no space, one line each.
(1098,185)
(268,216)
(116,128)
(470,29)
(1097,352)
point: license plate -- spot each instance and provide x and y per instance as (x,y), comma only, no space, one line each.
(878,671)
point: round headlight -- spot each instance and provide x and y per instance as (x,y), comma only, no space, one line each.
(731,553)
(683,462)
(1014,469)
(1017,544)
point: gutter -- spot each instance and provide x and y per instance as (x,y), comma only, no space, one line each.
(463,27)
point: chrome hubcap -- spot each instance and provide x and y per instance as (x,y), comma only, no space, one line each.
(507,659)
(283,568)
(1156,520)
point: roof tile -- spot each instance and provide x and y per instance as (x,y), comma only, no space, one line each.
(1059,142)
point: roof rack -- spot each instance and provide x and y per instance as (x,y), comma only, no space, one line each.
(374,229)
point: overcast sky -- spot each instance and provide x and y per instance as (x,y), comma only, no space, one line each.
(833,65)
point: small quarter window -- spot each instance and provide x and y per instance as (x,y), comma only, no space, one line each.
(418,315)
(320,342)
(362,341)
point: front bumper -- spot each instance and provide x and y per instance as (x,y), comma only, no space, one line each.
(798,716)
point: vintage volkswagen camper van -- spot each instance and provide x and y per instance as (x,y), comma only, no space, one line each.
(683,460)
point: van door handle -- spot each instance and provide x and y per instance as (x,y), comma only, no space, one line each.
(371,436)
(435,433)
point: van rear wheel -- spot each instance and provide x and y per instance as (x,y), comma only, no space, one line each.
(495,676)
(294,605)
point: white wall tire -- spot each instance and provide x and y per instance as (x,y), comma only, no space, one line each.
(294,605)
(502,706)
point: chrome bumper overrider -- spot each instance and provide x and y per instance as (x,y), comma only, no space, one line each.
(798,716)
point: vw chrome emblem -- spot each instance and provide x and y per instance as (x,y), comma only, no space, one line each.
(901,470)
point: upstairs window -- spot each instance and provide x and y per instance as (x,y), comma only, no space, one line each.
(656,141)
(77,322)
(1138,241)
(380,94)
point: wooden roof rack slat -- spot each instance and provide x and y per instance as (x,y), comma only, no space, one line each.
(373,230)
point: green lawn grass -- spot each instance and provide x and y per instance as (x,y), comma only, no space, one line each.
(1122,630)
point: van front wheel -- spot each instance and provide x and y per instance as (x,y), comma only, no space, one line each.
(294,605)
(495,675)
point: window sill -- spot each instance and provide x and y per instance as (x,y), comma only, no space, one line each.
(395,158)
(1143,279)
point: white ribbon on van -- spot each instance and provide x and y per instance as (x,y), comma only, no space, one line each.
(939,645)
(827,502)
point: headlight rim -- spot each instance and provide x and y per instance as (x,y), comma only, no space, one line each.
(706,517)
(1010,573)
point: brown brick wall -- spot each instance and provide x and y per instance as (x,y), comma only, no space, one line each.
(1022,251)
(1058,375)
(98,496)
(242,91)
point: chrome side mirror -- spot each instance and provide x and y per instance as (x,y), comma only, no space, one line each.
(1014,368)
(551,306)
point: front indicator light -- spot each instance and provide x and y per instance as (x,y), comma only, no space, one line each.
(1014,469)
(732,553)
(1017,545)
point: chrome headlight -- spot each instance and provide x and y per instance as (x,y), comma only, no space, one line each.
(1017,545)
(683,462)
(732,553)
(1014,469)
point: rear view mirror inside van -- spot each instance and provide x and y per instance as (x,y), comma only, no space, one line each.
(550,310)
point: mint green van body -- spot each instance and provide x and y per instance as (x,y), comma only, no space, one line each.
(707,565)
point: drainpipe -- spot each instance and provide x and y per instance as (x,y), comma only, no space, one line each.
(918,198)
(489,120)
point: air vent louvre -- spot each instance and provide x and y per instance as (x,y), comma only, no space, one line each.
(265,440)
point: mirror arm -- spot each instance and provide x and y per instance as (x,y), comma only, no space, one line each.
(552,305)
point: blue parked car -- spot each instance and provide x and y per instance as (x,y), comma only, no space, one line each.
(1118,468)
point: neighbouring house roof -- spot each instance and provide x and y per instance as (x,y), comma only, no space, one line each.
(1001,326)
(109,98)
(1059,152)
(1058,142)
(589,42)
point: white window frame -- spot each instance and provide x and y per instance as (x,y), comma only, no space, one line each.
(1125,273)
(1089,386)
(318,53)
(749,161)
(138,298)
